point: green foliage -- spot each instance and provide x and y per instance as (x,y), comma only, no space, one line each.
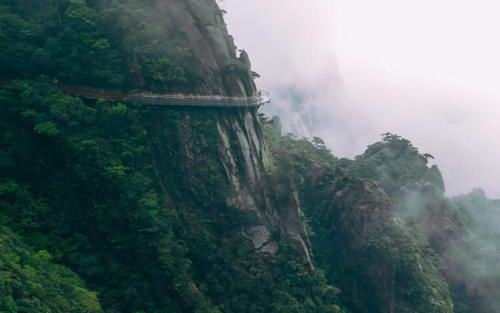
(47,128)
(395,163)
(293,157)
(134,201)
(477,253)
(29,282)
(87,180)
(118,44)
(415,267)
(373,256)
(236,67)
(112,195)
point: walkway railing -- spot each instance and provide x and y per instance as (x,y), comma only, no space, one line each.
(147,98)
(198,100)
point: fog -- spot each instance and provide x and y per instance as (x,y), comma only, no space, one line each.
(350,70)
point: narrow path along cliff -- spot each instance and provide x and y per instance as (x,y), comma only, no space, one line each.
(177,99)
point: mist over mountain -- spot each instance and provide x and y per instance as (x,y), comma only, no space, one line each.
(142,169)
(425,70)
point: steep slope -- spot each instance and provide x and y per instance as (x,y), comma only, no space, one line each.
(156,210)
(159,210)
(381,262)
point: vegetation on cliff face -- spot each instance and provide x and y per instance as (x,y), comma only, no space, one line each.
(383,231)
(106,207)
(395,164)
(30,282)
(105,44)
(106,190)
(381,262)
(475,258)
(132,200)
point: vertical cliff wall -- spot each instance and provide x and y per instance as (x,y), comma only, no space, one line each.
(156,209)
(223,150)
(203,31)
(233,136)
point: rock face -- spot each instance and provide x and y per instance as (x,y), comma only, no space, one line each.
(270,211)
(204,32)
(229,147)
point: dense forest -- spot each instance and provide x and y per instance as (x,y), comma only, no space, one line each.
(111,207)
(106,44)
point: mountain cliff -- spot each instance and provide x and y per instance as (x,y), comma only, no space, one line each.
(156,209)
(113,207)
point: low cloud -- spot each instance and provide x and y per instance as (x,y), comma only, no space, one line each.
(348,71)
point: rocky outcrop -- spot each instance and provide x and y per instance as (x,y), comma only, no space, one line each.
(376,257)
(464,248)
(204,32)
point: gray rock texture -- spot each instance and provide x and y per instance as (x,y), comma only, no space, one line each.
(232,137)
(203,31)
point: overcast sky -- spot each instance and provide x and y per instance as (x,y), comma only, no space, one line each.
(350,70)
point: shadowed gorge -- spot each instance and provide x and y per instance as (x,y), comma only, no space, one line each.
(107,205)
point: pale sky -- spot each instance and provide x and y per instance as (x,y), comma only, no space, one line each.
(350,70)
